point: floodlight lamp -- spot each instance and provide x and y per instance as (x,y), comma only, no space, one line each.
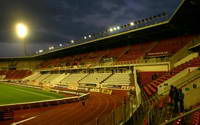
(40,51)
(132,23)
(21,30)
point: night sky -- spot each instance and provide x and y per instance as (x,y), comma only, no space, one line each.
(52,22)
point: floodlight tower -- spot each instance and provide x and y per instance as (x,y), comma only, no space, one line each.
(22,32)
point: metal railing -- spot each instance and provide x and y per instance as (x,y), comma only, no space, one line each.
(119,115)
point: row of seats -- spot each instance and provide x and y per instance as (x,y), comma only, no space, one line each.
(73,78)
(15,74)
(124,53)
(118,79)
(146,77)
(192,119)
(169,46)
(81,78)
(195,117)
(95,78)
(151,88)
(136,51)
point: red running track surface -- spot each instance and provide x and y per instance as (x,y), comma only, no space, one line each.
(97,105)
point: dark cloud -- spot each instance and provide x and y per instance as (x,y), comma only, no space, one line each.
(55,21)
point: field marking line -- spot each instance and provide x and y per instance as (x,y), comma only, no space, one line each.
(16,123)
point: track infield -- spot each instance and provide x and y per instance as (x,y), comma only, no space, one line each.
(10,94)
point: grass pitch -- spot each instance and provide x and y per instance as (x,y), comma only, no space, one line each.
(10,94)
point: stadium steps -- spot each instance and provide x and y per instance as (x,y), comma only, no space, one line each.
(83,78)
(149,88)
(57,80)
(106,78)
(125,51)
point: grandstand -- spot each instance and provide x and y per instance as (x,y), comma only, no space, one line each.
(126,82)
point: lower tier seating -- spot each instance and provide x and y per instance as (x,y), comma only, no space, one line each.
(15,74)
(117,79)
(94,78)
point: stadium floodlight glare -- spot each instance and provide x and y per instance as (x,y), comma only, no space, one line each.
(132,23)
(111,30)
(90,36)
(72,41)
(52,47)
(85,37)
(118,27)
(60,45)
(40,51)
(21,30)
(114,28)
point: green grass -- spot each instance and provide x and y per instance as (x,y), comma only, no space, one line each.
(10,94)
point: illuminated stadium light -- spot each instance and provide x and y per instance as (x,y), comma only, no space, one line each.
(52,47)
(114,28)
(60,45)
(89,36)
(40,51)
(118,27)
(72,41)
(132,23)
(111,29)
(21,30)
(85,37)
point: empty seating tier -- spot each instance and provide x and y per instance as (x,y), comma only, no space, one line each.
(117,79)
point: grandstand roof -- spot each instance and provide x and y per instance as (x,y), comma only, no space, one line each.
(183,21)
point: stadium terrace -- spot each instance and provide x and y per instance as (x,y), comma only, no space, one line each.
(146,72)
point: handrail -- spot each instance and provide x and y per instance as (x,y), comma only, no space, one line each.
(182,115)
(186,81)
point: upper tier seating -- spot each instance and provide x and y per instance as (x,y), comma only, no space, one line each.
(136,51)
(118,55)
(169,46)
(92,57)
(151,88)
(50,63)
(116,52)
(118,79)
